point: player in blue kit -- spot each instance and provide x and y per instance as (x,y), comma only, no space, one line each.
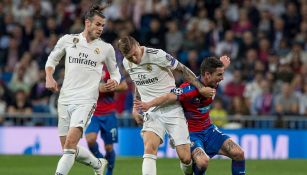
(207,140)
(104,120)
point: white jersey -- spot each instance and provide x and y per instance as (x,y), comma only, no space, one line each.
(83,67)
(153,76)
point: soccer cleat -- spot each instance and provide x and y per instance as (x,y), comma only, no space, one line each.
(101,169)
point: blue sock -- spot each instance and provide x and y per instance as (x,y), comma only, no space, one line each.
(238,167)
(198,171)
(95,150)
(110,156)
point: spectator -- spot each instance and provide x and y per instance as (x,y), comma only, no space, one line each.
(303,101)
(228,46)
(263,104)
(174,38)
(238,108)
(286,102)
(18,81)
(155,37)
(38,43)
(236,86)
(39,95)
(218,114)
(31,74)
(20,106)
(264,50)
(252,90)
(243,25)
(248,42)
(297,50)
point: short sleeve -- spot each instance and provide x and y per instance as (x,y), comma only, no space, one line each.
(166,60)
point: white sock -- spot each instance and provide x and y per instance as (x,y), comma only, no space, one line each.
(66,162)
(187,168)
(149,164)
(85,157)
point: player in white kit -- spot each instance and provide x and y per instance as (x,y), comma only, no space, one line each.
(151,71)
(85,54)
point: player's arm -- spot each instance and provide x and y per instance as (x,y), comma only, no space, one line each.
(190,77)
(111,64)
(137,108)
(53,60)
(158,101)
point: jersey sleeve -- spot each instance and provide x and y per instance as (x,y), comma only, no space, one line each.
(112,65)
(184,92)
(57,53)
(164,59)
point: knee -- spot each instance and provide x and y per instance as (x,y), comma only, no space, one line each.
(202,164)
(70,144)
(150,149)
(109,147)
(238,155)
(90,140)
(186,159)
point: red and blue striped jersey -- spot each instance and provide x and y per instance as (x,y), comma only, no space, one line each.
(196,107)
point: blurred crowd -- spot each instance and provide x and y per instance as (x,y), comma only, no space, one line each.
(265,39)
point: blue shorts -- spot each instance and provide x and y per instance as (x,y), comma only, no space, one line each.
(210,140)
(107,125)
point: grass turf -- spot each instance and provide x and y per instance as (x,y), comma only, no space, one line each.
(38,165)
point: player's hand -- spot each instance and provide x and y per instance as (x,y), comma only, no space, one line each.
(143,105)
(207,92)
(102,88)
(111,85)
(137,116)
(51,84)
(226,60)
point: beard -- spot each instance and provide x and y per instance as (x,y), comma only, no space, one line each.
(93,35)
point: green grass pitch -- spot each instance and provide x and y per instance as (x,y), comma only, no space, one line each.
(38,165)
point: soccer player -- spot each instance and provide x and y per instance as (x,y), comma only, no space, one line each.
(85,54)
(207,140)
(104,120)
(151,71)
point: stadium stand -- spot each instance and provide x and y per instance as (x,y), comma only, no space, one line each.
(265,87)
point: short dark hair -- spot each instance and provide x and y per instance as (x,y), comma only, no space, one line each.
(94,10)
(210,64)
(125,44)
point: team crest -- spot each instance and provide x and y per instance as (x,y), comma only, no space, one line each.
(149,67)
(75,41)
(97,51)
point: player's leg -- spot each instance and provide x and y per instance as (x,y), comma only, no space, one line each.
(69,152)
(200,157)
(235,152)
(184,155)
(110,156)
(79,118)
(109,134)
(153,133)
(151,143)
(67,160)
(201,161)
(91,136)
(179,136)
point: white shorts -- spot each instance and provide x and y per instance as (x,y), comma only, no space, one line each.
(73,115)
(170,121)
